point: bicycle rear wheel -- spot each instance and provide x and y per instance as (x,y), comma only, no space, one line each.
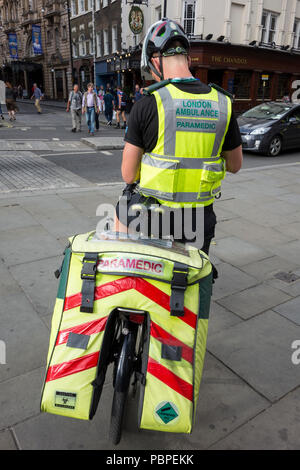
(122,382)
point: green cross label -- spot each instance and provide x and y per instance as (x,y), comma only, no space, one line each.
(167,412)
(65,400)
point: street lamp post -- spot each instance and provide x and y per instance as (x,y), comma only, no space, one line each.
(165,8)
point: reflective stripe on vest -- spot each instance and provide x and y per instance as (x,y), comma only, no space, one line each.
(166,172)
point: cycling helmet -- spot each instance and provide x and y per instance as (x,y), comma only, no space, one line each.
(158,38)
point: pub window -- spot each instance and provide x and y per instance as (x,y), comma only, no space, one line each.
(269,22)
(264,91)
(296,44)
(282,86)
(242,82)
(189,7)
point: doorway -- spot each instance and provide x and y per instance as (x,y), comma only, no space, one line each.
(215,76)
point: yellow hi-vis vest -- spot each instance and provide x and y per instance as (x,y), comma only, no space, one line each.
(185,168)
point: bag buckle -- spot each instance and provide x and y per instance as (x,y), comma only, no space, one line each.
(178,287)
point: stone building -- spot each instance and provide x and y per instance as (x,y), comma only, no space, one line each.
(96,39)
(34,45)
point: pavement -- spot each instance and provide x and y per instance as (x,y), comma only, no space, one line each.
(250,390)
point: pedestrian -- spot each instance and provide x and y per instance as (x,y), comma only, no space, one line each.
(75,104)
(10,100)
(20,91)
(137,95)
(101,97)
(286,97)
(109,106)
(90,107)
(38,95)
(121,108)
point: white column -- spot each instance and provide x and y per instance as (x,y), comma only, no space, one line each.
(227,20)
(290,33)
(247,24)
(260,7)
(200,18)
(279,37)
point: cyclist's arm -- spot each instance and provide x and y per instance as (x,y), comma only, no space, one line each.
(234,159)
(131,163)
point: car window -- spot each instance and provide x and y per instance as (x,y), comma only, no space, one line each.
(296,114)
(267,111)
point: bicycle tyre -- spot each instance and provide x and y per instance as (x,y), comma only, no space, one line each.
(122,382)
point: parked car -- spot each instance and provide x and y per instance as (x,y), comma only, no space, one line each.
(270,128)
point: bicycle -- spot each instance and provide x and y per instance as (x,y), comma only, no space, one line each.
(127,350)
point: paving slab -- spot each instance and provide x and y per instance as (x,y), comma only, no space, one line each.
(277,428)
(259,351)
(7,441)
(291,288)
(237,252)
(290,310)
(104,143)
(219,319)
(38,282)
(27,244)
(25,336)
(230,281)
(267,268)
(15,217)
(254,300)
(253,233)
(290,251)
(65,223)
(220,410)
(20,397)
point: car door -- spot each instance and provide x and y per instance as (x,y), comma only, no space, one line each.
(292,134)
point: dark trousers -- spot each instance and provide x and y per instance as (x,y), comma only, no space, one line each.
(97,121)
(108,114)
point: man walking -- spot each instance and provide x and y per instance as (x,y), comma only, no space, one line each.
(75,104)
(108,106)
(90,107)
(38,95)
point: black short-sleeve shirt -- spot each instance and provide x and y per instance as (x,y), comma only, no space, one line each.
(142,130)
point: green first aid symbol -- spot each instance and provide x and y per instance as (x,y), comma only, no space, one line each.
(167,412)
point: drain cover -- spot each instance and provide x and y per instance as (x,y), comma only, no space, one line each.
(287,277)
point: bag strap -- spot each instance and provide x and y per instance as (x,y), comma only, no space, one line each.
(178,287)
(88,276)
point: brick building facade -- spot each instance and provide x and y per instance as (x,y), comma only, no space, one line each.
(48,61)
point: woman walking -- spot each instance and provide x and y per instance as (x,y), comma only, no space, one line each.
(10,101)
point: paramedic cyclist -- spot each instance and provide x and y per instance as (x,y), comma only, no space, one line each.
(165,126)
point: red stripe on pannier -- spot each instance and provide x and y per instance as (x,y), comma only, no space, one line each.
(142,286)
(74,366)
(170,379)
(164,337)
(89,328)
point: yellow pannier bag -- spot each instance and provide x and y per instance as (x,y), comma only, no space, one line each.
(173,284)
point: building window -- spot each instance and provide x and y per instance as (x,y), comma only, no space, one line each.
(98,4)
(106,42)
(296,44)
(82,48)
(74,50)
(99,45)
(189,7)
(64,32)
(264,87)
(269,21)
(81,5)
(90,5)
(282,86)
(73,8)
(91,46)
(104,3)
(242,82)
(114,38)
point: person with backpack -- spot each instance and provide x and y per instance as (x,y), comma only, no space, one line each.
(90,107)
(75,104)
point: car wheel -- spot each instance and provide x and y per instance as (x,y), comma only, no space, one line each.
(275,146)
